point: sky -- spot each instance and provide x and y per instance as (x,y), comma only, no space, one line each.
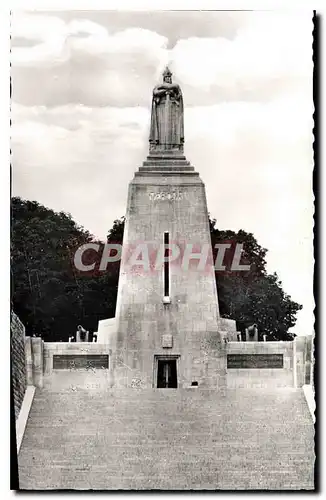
(81,96)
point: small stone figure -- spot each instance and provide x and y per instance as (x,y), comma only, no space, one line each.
(252,333)
(81,334)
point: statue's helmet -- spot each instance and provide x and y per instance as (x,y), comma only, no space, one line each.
(167,74)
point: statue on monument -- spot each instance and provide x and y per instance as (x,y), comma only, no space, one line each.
(167,130)
(81,334)
(252,332)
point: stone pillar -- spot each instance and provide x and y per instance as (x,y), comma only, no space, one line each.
(29,361)
(294,363)
(37,355)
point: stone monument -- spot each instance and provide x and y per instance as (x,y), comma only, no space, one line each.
(166,329)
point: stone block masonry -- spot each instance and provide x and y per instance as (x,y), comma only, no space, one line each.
(18,368)
(160,203)
(268,372)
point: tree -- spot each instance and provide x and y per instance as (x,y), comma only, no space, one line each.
(115,235)
(252,296)
(51,296)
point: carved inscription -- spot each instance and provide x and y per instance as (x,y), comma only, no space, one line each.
(84,361)
(166,196)
(255,361)
(136,383)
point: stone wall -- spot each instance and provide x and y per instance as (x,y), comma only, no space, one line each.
(70,370)
(261,377)
(295,364)
(18,369)
(304,358)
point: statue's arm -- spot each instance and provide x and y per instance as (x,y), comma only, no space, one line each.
(159,91)
(178,92)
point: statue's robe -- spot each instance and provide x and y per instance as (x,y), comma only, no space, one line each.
(167,130)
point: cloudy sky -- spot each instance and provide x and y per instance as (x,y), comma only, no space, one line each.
(82,83)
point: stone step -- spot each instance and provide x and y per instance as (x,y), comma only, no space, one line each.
(162,439)
(166,166)
(168,162)
(166,172)
(166,154)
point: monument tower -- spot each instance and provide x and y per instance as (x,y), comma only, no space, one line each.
(167,315)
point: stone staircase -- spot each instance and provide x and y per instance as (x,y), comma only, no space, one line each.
(169,439)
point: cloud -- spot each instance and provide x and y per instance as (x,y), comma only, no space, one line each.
(174,25)
(81,61)
(48,32)
(57,40)
(78,159)
(259,63)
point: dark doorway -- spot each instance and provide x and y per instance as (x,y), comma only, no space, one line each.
(167,373)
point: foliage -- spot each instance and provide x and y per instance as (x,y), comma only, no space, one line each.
(48,294)
(253,296)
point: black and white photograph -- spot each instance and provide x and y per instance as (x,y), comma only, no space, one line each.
(162,303)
